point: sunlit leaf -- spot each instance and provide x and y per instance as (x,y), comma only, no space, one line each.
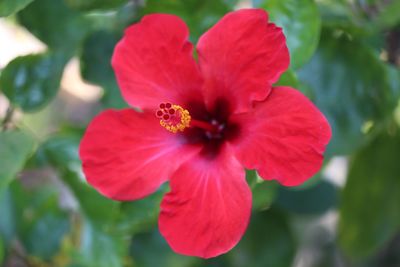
(15,148)
(8,7)
(288,78)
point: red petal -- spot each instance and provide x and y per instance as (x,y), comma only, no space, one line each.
(127,155)
(241,57)
(153,62)
(284,138)
(208,208)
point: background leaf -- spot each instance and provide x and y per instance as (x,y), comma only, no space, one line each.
(96,68)
(362,232)
(101,244)
(199,15)
(142,250)
(39,215)
(30,82)
(62,29)
(303,201)
(9,7)
(95,4)
(268,242)
(1,251)
(15,148)
(301,24)
(341,83)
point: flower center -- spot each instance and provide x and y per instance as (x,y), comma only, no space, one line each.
(175,119)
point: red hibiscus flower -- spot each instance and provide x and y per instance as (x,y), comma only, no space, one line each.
(201,124)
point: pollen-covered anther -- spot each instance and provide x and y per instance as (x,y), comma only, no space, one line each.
(174,118)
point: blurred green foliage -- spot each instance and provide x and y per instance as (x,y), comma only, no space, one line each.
(345,56)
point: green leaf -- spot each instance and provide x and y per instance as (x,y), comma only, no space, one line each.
(54,227)
(100,248)
(394,80)
(370,203)
(30,82)
(8,221)
(339,14)
(61,28)
(95,4)
(62,153)
(9,7)
(115,21)
(142,214)
(267,242)
(2,251)
(301,25)
(101,244)
(95,207)
(348,91)
(288,78)
(264,192)
(389,14)
(96,66)
(42,216)
(31,214)
(381,14)
(144,245)
(15,148)
(199,15)
(96,57)
(312,200)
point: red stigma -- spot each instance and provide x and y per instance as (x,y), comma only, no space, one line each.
(166,112)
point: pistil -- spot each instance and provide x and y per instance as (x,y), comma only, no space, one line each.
(203,125)
(174,118)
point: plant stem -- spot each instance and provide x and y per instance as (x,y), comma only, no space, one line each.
(8,118)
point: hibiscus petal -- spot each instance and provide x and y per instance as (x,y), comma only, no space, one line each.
(284,138)
(241,57)
(208,208)
(154,62)
(127,155)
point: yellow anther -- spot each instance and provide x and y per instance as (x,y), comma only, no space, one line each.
(174,118)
